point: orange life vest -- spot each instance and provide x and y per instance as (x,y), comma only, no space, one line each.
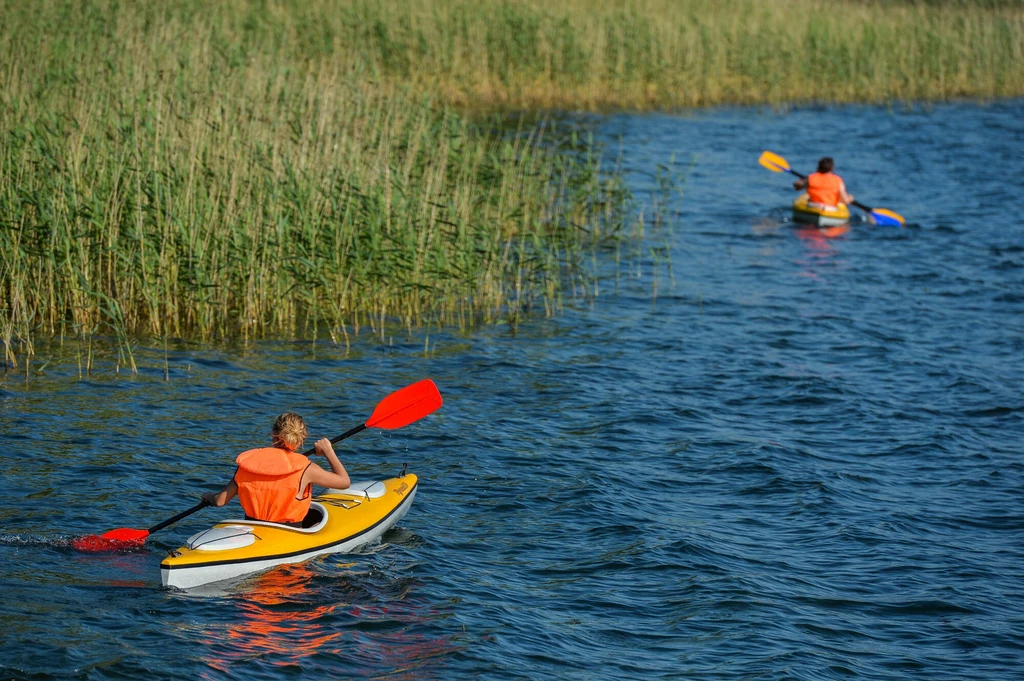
(823,188)
(268,484)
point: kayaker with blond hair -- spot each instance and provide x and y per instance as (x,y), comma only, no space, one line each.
(274,484)
(824,188)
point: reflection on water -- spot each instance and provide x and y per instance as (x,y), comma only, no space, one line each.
(818,237)
(272,619)
(315,616)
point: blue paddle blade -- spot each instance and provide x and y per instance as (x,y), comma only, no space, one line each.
(883,220)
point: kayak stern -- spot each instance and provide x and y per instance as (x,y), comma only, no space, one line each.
(806,212)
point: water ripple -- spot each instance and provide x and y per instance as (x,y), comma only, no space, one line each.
(801,459)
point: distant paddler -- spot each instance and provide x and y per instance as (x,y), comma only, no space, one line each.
(825,189)
(824,202)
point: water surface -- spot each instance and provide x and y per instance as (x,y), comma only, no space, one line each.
(785,457)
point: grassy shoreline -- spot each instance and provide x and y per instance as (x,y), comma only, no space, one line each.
(666,54)
(163,173)
(253,168)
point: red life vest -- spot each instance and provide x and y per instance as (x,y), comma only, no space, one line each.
(823,188)
(268,484)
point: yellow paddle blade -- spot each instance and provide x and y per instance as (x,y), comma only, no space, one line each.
(891,214)
(773,162)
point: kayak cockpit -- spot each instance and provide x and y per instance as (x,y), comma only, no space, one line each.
(314,521)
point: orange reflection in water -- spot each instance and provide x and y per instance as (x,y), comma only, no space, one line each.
(821,249)
(275,617)
(279,623)
(820,236)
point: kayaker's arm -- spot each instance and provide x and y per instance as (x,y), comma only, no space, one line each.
(337,477)
(843,195)
(222,497)
(800,184)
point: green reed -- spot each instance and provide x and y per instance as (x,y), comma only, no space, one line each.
(677,53)
(215,170)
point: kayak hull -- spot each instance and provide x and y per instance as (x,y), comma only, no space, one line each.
(812,214)
(348,519)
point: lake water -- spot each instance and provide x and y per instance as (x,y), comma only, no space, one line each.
(785,457)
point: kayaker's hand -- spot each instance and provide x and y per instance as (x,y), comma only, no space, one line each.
(323,447)
(210,498)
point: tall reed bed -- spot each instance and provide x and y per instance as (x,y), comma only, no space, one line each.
(678,53)
(214,170)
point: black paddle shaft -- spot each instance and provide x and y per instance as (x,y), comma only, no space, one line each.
(170,521)
(349,433)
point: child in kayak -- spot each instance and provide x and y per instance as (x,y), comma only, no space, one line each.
(824,188)
(275,483)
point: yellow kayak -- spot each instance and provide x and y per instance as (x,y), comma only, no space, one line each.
(339,521)
(804,211)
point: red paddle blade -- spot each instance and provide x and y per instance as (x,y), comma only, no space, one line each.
(115,540)
(404,406)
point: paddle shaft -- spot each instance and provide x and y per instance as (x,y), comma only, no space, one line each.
(358,429)
(860,205)
(170,521)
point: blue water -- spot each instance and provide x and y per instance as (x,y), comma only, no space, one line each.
(769,456)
